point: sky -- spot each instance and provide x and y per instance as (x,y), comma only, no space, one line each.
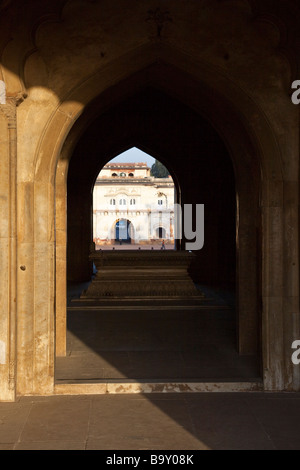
(134,155)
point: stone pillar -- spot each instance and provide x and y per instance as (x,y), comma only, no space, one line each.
(291,317)
(8,246)
(247,264)
(280,285)
(272,293)
(80,205)
(61,257)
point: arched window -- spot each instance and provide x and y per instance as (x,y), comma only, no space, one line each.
(114,175)
(123,175)
(132,202)
(122,202)
(160,202)
(131,175)
(112,202)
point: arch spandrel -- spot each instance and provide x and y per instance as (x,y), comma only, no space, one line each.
(62,59)
(228,108)
(34,48)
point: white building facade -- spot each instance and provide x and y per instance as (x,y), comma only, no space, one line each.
(132,207)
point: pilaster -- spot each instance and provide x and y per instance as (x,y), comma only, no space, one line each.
(8,245)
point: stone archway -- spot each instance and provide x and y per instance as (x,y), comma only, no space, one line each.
(248,137)
(250,303)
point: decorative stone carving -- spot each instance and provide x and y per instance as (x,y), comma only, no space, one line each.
(159,18)
(142,274)
(10,105)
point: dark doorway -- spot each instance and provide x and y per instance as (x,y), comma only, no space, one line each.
(122,231)
(161,233)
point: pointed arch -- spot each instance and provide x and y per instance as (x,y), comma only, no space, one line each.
(255,153)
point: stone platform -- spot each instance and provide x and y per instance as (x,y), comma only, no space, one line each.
(142,273)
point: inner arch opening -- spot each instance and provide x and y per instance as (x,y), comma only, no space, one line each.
(134,198)
(203,173)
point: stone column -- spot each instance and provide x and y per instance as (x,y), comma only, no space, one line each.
(291,324)
(272,292)
(8,246)
(248,265)
(61,257)
(280,285)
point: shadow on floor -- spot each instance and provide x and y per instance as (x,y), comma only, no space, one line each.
(133,341)
(142,341)
(155,422)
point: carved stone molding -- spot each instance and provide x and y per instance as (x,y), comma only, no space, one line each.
(122,274)
(9,109)
(159,18)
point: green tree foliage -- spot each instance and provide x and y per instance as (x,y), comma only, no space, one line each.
(158,170)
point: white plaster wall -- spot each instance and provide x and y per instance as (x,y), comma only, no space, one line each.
(146,215)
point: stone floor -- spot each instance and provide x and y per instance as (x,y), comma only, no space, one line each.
(184,341)
(122,343)
(216,421)
(159,344)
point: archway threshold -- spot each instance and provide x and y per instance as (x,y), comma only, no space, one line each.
(131,387)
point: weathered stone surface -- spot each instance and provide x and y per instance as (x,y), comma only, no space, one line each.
(142,274)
